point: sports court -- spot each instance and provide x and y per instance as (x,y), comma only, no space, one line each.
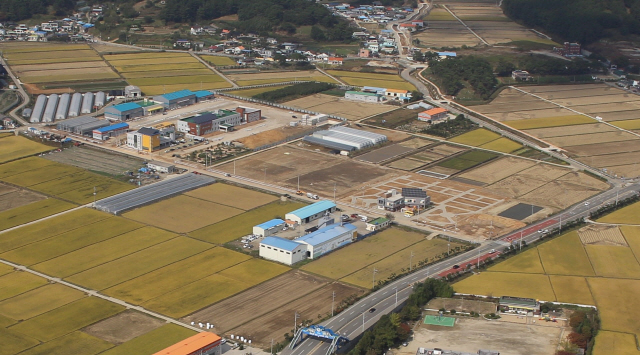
(439,320)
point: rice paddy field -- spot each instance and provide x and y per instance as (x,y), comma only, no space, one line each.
(389,81)
(255,91)
(48,66)
(334,105)
(279,77)
(543,111)
(566,270)
(486,139)
(218,60)
(15,147)
(163,72)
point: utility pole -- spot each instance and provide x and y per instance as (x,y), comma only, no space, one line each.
(334,192)
(234,167)
(295,323)
(449,246)
(94,196)
(520,240)
(272,346)
(374,277)
(478,267)
(363,321)
(298,183)
(396,288)
(410,261)
(333,299)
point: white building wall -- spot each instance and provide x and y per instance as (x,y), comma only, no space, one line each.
(320,249)
(283,256)
(182,126)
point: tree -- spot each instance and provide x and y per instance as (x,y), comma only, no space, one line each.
(317,34)
(288,27)
(504,68)
(416,95)
(148,19)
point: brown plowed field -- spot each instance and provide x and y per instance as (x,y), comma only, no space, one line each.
(575,130)
(606,148)
(612,159)
(498,170)
(11,197)
(559,194)
(630,170)
(123,327)
(273,325)
(524,114)
(544,172)
(594,138)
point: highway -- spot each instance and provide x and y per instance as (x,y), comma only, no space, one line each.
(352,321)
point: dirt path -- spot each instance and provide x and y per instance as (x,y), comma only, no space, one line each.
(331,76)
(465,25)
(214,70)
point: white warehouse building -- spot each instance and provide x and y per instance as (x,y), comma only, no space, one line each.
(326,239)
(349,137)
(282,250)
(312,212)
(268,228)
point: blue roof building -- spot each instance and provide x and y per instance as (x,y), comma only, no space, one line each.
(203,95)
(328,238)
(268,228)
(117,129)
(124,111)
(176,99)
(282,250)
(312,212)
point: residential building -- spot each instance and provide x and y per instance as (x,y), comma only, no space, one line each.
(433,114)
(391,201)
(312,212)
(176,99)
(132,92)
(334,60)
(282,250)
(378,223)
(326,239)
(415,198)
(144,139)
(402,95)
(362,96)
(204,343)
(104,133)
(521,75)
(123,112)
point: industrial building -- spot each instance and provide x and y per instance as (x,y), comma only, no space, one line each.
(282,250)
(161,167)
(50,109)
(100,99)
(144,139)
(326,239)
(220,120)
(268,228)
(434,114)
(248,115)
(204,343)
(38,109)
(203,95)
(345,138)
(176,99)
(312,212)
(114,130)
(362,96)
(123,112)
(83,125)
(74,107)
(63,107)
(87,103)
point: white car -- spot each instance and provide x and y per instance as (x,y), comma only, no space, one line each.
(586,203)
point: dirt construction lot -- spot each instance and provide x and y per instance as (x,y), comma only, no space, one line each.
(11,197)
(470,335)
(333,105)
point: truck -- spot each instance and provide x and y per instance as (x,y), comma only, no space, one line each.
(312,196)
(300,192)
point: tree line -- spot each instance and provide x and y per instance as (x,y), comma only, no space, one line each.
(17,10)
(453,72)
(584,21)
(290,92)
(392,329)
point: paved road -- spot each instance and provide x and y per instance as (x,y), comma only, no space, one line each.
(350,322)
(23,94)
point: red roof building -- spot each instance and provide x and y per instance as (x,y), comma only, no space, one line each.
(204,343)
(433,114)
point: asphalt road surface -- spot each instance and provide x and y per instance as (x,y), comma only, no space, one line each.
(354,320)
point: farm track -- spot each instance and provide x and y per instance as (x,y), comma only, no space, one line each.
(214,70)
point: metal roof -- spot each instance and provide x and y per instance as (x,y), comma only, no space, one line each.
(308,211)
(191,345)
(126,106)
(207,117)
(203,93)
(270,224)
(280,243)
(148,131)
(362,93)
(518,301)
(113,127)
(177,95)
(378,220)
(359,133)
(329,144)
(413,192)
(325,234)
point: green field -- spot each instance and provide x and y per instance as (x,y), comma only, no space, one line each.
(527,262)
(246,271)
(627,215)
(504,145)
(628,124)
(23,165)
(58,60)
(15,147)
(232,196)
(39,47)
(320,78)
(105,251)
(361,254)
(152,341)
(193,213)
(68,318)
(632,235)
(50,227)
(218,60)
(42,174)
(558,261)
(160,68)
(240,225)
(120,64)
(182,79)
(176,275)
(67,242)
(64,78)
(546,122)
(31,212)
(163,73)
(5,269)
(76,343)
(399,262)
(17,282)
(389,81)
(37,301)
(467,160)
(256,91)
(476,137)
(162,89)
(139,263)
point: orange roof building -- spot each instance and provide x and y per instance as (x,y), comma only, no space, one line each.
(200,344)
(436,113)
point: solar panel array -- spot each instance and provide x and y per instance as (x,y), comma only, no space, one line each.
(413,192)
(151,193)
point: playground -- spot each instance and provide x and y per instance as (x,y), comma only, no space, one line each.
(439,320)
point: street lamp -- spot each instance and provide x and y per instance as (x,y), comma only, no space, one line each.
(396,288)
(374,277)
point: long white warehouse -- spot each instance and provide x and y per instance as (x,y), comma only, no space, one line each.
(63,106)
(74,107)
(87,103)
(38,109)
(50,109)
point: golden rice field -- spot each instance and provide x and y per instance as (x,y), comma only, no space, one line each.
(268,77)
(476,137)
(626,215)
(15,147)
(389,81)
(218,61)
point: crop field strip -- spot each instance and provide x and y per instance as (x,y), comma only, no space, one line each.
(152,341)
(278,77)
(390,81)
(334,105)
(14,147)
